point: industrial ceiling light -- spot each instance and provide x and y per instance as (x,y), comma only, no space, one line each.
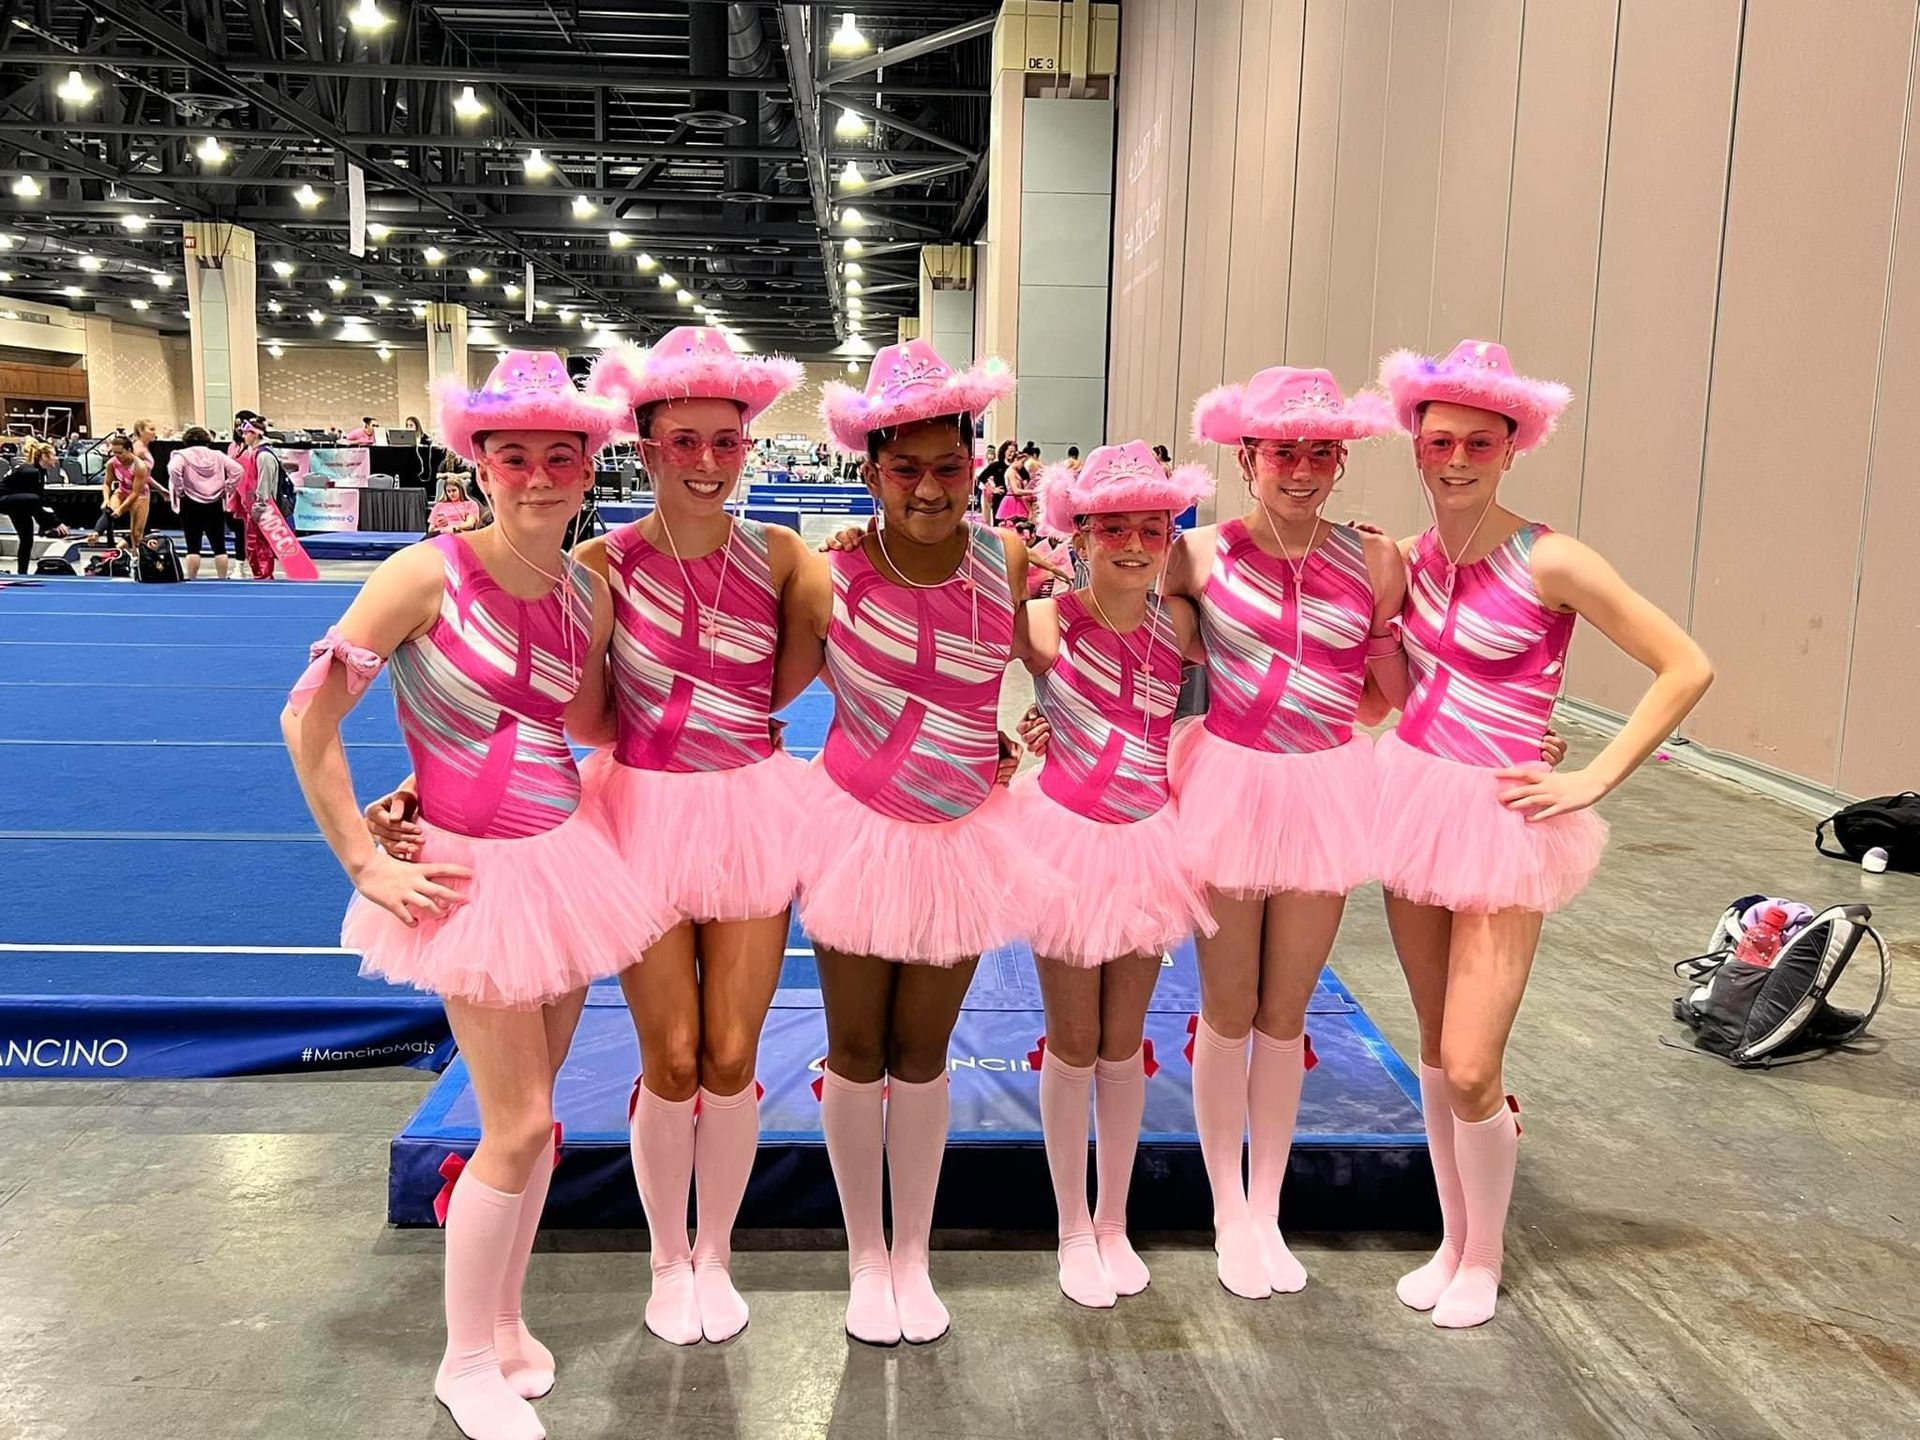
(283,268)
(852,246)
(72,292)
(849,126)
(433,254)
(273,306)
(852,268)
(512,292)
(91,262)
(848,40)
(211,152)
(383,352)
(851,178)
(644,261)
(368,18)
(853,287)
(583,207)
(376,231)
(317,317)
(27,188)
(383,301)
(275,350)
(619,239)
(419,309)
(163,279)
(135,222)
(467,105)
(306,197)
(683,297)
(476,274)
(542,305)
(667,282)
(852,218)
(139,304)
(853,365)
(337,285)
(75,90)
(537,166)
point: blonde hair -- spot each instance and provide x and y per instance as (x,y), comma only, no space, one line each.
(37,448)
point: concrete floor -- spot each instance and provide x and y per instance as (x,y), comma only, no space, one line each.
(1694,1251)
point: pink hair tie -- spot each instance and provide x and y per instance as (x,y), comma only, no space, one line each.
(362,666)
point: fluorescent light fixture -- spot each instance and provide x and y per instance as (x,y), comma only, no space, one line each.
(368,18)
(283,268)
(852,268)
(583,207)
(139,304)
(211,152)
(853,287)
(476,274)
(537,166)
(467,105)
(849,126)
(337,285)
(683,297)
(162,279)
(851,178)
(619,239)
(75,90)
(852,218)
(667,282)
(377,231)
(852,246)
(645,261)
(306,197)
(26,187)
(512,292)
(433,255)
(382,300)
(847,40)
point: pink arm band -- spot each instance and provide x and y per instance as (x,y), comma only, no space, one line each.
(362,665)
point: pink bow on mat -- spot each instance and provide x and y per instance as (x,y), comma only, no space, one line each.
(362,666)
(450,1169)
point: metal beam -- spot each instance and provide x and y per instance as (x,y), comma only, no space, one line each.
(796,35)
(912,50)
(556,77)
(858,194)
(906,127)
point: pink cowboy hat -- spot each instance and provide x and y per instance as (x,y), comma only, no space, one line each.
(528,390)
(690,362)
(1477,373)
(1286,403)
(907,383)
(1117,477)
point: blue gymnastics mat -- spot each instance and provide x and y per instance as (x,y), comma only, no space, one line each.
(1359,1158)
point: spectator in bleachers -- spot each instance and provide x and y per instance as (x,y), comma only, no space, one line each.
(23,499)
(453,511)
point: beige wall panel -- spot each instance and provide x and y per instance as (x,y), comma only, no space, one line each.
(1553,232)
(1001,259)
(1476,163)
(1134,101)
(1181,212)
(1325,41)
(1380,485)
(1879,747)
(1356,191)
(1803,287)
(1210,182)
(1646,397)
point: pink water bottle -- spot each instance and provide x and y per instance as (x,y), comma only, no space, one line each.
(1760,942)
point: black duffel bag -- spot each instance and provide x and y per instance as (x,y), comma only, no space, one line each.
(1890,823)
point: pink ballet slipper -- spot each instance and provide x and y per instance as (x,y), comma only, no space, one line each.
(481,1223)
(1421,1289)
(726,1134)
(663,1141)
(917,1118)
(1273,1106)
(1220,1115)
(1486,1151)
(1119,1100)
(853,1117)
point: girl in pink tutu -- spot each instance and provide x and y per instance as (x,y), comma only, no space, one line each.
(496,642)
(1474,841)
(705,809)
(1106,662)
(915,862)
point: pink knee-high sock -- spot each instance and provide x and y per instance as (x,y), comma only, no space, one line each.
(480,1227)
(724,1140)
(1486,1152)
(662,1137)
(854,1118)
(1273,1105)
(1119,1100)
(1421,1289)
(916,1144)
(1064,1090)
(1220,1115)
(527,1364)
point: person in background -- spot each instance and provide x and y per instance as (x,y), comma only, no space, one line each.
(23,498)
(361,436)
(242,419)
(1020,482)
(259,485)
(144,433)
(200,483)
(1165,457)
(453,511)
(991,483)
(1073,458)
(123,491)
(419,430)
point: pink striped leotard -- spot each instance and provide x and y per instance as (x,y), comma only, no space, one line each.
(1254,625)
(1109,700)
(1485,655)
(916,682)
(482,697)
(693,674)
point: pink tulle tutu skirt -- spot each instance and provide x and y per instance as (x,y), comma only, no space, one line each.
(1126,890)
(712,844)
(1442,837)
(1254,822)
(925,894)
(545,915)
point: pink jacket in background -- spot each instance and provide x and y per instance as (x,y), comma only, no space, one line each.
(201,473)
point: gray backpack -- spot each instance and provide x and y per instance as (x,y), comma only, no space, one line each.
(1760,1016)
